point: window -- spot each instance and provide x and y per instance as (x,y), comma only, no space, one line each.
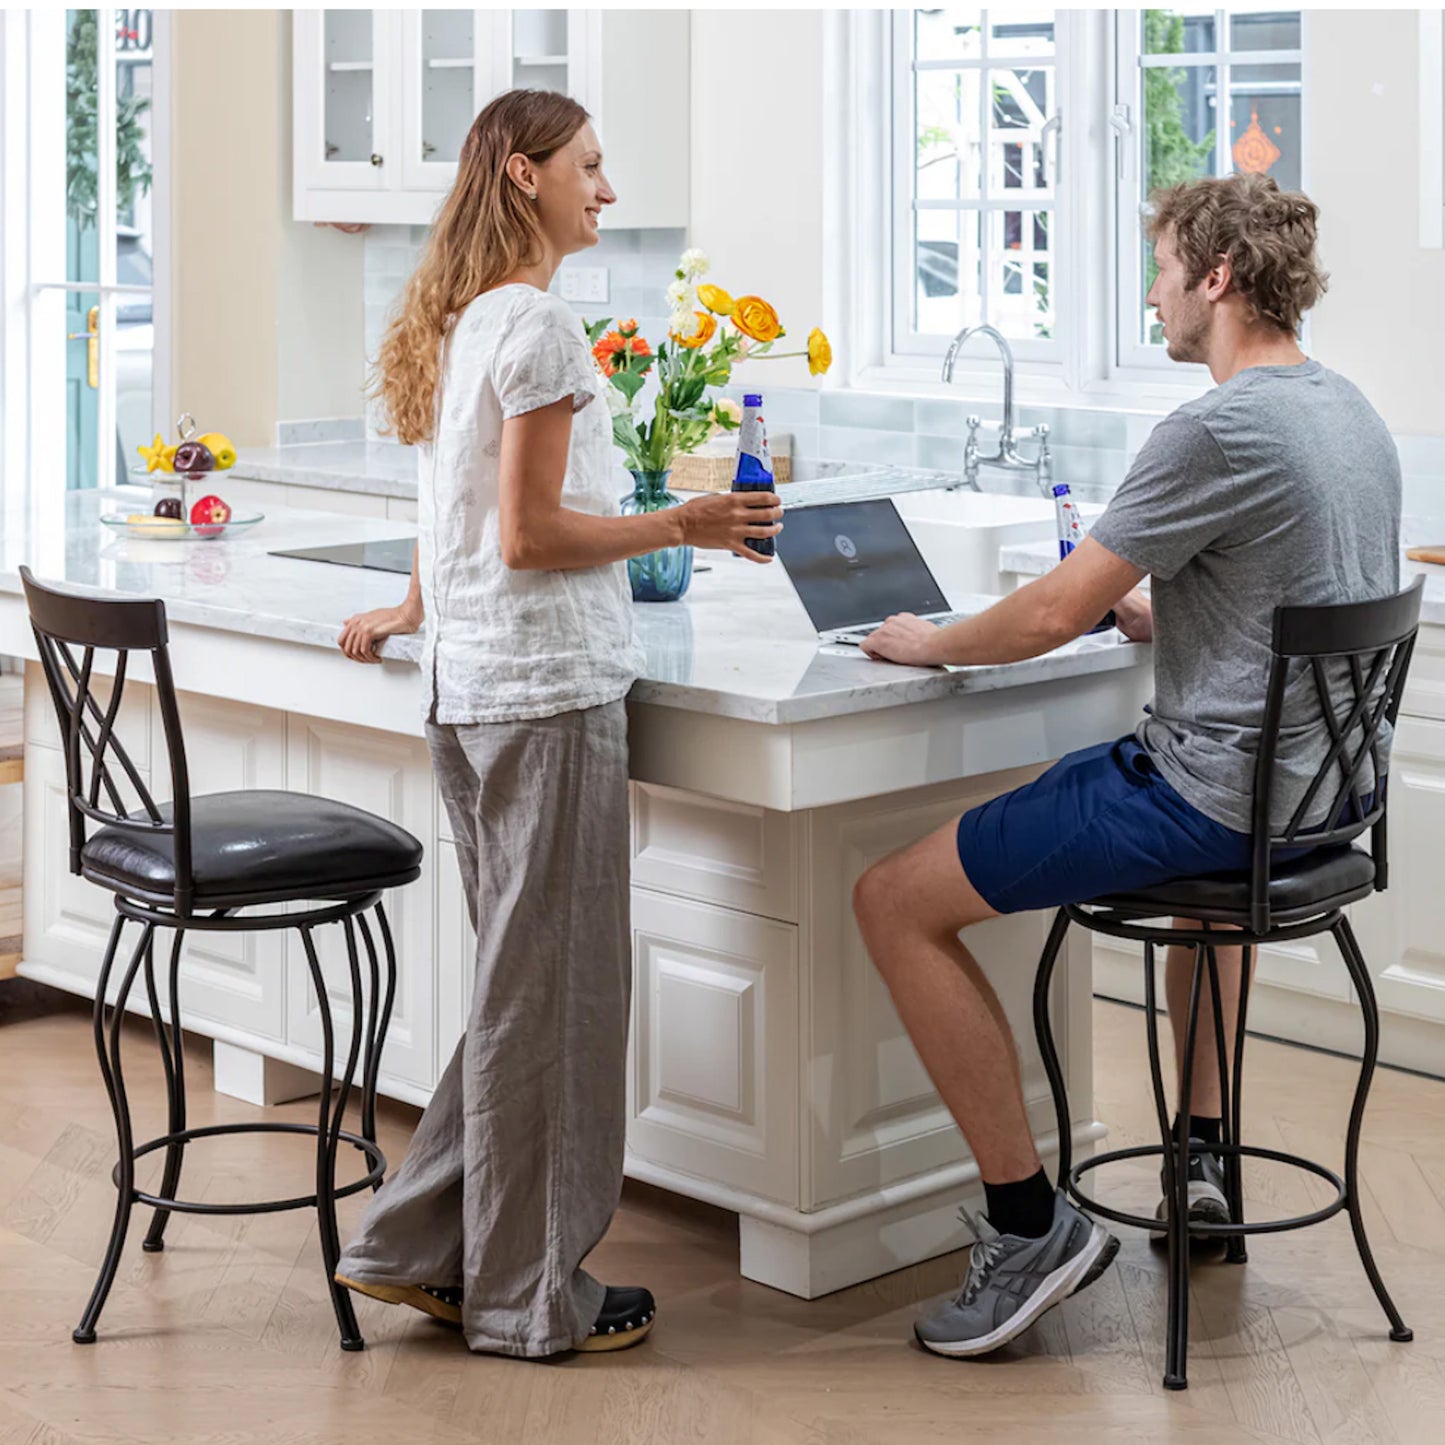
(1024,145)
(1201,92)
(82,155)
(974,237)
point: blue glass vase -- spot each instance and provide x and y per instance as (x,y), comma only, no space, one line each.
(664,575)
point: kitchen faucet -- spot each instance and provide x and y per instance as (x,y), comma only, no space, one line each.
(1006,456)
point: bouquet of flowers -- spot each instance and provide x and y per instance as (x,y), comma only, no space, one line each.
(708,334)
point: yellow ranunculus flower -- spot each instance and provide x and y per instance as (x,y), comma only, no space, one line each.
(755,318)
(820,352)
(716,300)
(706,326)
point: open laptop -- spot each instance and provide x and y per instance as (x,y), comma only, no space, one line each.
(853,564)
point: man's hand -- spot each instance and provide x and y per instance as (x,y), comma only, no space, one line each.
(907,639)
(361,633)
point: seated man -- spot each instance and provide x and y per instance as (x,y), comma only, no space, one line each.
(1280,486)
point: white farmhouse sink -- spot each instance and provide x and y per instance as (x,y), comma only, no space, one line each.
(960,533)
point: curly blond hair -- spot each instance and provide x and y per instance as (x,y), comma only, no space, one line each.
(1267,234)
(484,231)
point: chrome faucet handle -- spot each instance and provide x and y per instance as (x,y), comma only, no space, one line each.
(1044,462)
(970,453)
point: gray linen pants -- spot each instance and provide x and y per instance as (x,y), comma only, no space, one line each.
(515,1168)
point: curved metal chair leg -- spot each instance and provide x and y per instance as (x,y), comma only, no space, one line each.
(1234,1247)
(110,1070)
(1044,1033)
(326,1133)
(1237,1246)
(369,1059)
(1360,976)
(1176,1172)
(173,1060)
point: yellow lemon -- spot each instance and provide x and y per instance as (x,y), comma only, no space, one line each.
(221,447)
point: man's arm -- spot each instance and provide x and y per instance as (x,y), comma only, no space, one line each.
(1046,613)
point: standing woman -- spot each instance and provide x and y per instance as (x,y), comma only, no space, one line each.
(515,1168)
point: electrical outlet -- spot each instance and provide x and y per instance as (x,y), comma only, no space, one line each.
(583,283)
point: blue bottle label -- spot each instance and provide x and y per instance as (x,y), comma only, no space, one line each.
(754,469)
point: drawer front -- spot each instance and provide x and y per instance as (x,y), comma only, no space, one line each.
(732,854)
(1425,690)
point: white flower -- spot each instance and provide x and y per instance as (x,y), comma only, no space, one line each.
(681,296)
(694,263)
(684,324)
(727,407)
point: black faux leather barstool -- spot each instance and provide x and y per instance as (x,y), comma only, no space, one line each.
(189,865)
(1350,661)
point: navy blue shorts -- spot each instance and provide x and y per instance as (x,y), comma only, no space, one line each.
(1100,821)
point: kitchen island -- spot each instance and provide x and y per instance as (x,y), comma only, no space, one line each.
(768,1072)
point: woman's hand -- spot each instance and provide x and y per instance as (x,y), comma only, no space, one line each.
(907,639)
(728,519)
(361,632)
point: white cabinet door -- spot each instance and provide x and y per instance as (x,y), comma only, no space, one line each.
(712,1079)
(344,80)
(67,919)
(1402,930)
(452,63)
(236,979)
(391,777)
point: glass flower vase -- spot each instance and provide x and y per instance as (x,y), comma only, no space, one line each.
(664,575)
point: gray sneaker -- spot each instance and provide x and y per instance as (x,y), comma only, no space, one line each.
(1012,1281)
(1208,1203)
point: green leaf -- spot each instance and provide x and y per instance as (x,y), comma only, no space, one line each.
(629,383)
(596,330)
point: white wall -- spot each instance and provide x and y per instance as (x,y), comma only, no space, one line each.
(268,316)
(757,190)
(1380,324)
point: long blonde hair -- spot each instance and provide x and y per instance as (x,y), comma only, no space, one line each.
(484,231)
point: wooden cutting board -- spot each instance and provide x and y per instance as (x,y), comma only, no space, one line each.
(1426,554)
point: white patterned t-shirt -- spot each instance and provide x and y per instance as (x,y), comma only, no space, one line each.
(502,645)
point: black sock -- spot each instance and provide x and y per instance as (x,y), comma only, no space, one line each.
(1024,1208)
(1206,1129)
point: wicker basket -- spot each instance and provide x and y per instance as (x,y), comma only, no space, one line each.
(710,468)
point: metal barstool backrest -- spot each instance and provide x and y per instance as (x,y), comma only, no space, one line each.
(64,623)
(1351,659)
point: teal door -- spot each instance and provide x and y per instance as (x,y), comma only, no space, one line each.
(82,396)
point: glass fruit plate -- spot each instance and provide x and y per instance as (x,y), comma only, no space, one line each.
(173,529)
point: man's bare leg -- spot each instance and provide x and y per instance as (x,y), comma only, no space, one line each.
(1204,1090)
(910,908)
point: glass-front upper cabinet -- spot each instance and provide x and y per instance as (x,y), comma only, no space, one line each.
(383,99)
(342,91)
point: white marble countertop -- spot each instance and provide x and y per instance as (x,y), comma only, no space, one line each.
(1033,559)
(384,469)
(739,645)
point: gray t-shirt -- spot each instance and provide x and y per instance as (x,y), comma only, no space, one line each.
(1282,486)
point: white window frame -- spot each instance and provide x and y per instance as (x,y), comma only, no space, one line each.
(1134,357)
(907,342)
(867,214)
(32,235)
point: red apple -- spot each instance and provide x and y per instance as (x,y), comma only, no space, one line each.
(209,517)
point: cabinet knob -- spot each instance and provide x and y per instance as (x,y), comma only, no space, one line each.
(376,160)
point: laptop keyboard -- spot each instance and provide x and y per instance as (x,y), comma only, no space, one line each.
(855,635)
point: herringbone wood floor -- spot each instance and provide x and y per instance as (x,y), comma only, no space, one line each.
(228,1336)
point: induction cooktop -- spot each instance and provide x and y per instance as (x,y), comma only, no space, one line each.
(390,555)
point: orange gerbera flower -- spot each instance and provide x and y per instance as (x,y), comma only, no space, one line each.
(612,351)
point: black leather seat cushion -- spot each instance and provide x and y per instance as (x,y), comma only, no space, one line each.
(259,846)
(1324,879)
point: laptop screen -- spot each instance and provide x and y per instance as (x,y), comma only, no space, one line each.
(855,562)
